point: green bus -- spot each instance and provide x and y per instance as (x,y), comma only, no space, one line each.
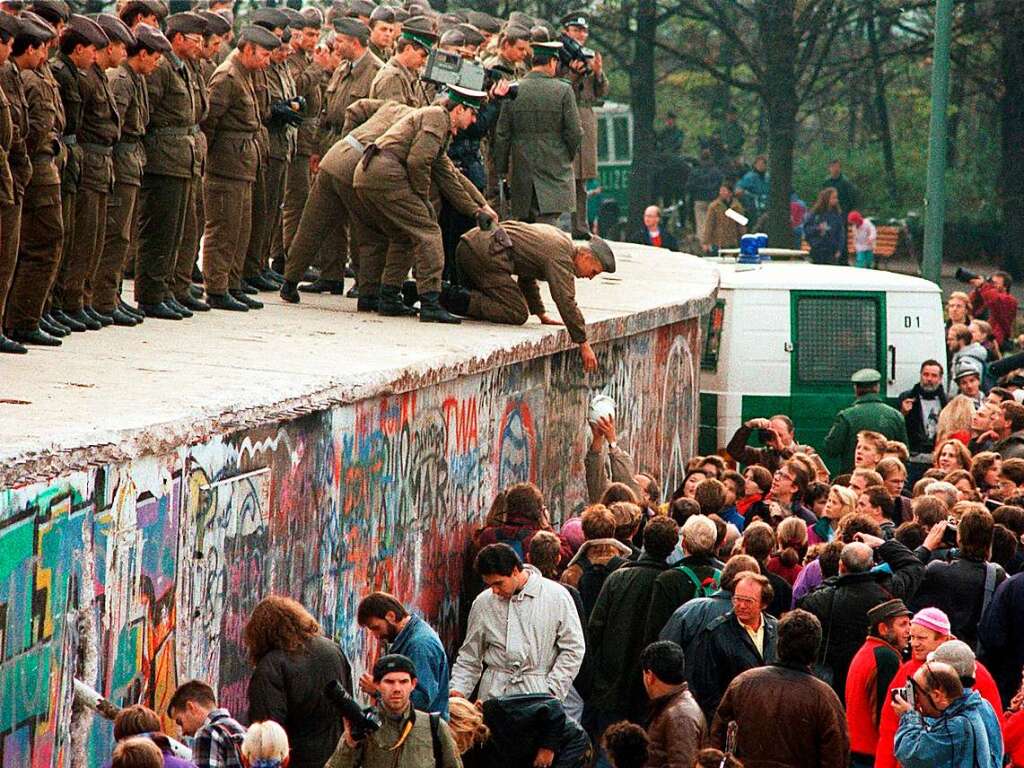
(614,155)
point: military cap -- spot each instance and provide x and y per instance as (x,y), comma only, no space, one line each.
(473,36)
(467,97)
(418,8)
(576,19)
(9,24)
(54,11)
(392,662)
(314,17)
(361,8)
(142,8)
(539,34)
(215,23)
(88,30)
(383,13)
(352,27)
(453,17)
(35,27)
(484,22)
(420,30)
(295,19)
(520,19)
(453,36)
(269,18)
(151,39)
(185,23)
(603,252)
(227,15)
(115,29)
(402,15)
(866,376)
(255,35)
(890,609)
(545,49)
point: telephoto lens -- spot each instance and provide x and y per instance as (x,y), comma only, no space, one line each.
(361,722)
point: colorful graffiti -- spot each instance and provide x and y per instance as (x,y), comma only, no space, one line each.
(135,577)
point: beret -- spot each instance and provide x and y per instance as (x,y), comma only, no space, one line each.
(9,24)
(215,23)
(361,8)
(52,10)
(152,39)
(484,22)
(352,27)
(473,36)
(185,23)
(270,18)
(383,13)
(295,19)
(88,29)
(603,252)
(115,29)
(256,35)
(314,16)
(35,27)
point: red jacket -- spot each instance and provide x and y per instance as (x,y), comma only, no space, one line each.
(867,692)
(884,758)
(1001,307)
(1013,738)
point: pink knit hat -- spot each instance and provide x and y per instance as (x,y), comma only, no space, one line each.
(933,619)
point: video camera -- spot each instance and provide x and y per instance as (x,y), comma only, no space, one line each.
(571,51)
(361,722)
(965,276)
(446,68)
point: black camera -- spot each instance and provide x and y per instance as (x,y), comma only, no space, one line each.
(965,275)
(361,722)
(949,535)
(571,51)
(446,68)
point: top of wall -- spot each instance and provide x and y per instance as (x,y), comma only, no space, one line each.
(117,394)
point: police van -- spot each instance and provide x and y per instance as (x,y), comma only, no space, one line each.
(785,337)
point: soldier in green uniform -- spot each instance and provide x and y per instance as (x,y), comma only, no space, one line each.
(590,87)
(868,412)
(42,227)
(172,162)
(489,258)
(131,98)
(399,79)
(537,137)
(351,81)
(232,125)
(14,167)
(382,32)
(394,182)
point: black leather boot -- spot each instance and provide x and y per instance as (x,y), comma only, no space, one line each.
(431,310)
(290,292)
(225,301)
(390,303)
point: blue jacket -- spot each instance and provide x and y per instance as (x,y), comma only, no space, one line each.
(421,644)
(966,735)
(1001,636)
(756,188)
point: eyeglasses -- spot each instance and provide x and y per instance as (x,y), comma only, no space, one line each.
(743,600)
(783,475)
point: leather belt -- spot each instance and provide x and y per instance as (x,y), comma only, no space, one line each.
(97,149)
(175,130)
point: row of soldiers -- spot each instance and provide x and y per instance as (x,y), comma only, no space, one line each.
(141,144)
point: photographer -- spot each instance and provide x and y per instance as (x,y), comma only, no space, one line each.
(778,437)
(590,87)
(991,299)
(406,737)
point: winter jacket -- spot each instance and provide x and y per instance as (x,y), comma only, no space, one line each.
(958,738)
(691,618)
(673,587)
(1012,447)
(676,730)
(868,683)
(1001,634)
(522,724)
(958,588)
(825,234)
(590,567)
(704,182)
(722,651)
(1000,307)
(1013,739)
(289,689)
(842,604)
(615,638)
(916,431)
(787,718)
(756,189)
(867,412)
(769,458)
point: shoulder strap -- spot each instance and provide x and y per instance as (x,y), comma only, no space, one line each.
(435,738)
(991,571)
(698,585)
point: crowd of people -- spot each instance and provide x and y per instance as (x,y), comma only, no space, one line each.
(213,158)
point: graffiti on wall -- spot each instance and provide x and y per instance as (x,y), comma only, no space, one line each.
(136,577)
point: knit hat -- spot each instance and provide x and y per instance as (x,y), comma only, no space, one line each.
(958,655)
(933,619)
(855,218)
(393,662)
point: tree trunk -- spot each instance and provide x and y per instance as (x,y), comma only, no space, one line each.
(775,20)
(1011,114)
(642,100)
(882,106)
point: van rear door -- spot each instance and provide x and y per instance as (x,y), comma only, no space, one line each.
(835,333)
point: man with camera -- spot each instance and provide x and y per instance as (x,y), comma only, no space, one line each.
(584,70)
(991,299)
(395,735)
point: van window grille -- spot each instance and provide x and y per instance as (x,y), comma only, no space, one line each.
(835,336)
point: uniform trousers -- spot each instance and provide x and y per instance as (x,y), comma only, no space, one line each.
(10,235)
(494,294)
(42,232)
(120,232)
(90,220)
(228,228)
(180,282)
(163,205)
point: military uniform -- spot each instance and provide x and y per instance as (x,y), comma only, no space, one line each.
(394,182)
(531,252)
(195,208)
(259,234)
(232,127)
(868,412)
(590,91)
(381,53)
(69,79)
(131,99)
(42,226)
(15,170)
(172,162)
(283,143)
(309,81)
(535,142)
(397,83)
(98,130)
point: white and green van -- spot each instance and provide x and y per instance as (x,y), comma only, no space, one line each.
(785,337)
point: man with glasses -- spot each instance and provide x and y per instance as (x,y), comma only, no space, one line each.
(944,726)
(742,639)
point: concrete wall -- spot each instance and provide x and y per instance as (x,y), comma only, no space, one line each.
(137,576)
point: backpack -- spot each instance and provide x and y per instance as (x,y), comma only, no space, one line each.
(705,587)
(593,579)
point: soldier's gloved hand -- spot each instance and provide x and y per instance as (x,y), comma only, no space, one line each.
(282,113)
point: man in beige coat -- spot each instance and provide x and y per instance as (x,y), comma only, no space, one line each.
(399,79)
